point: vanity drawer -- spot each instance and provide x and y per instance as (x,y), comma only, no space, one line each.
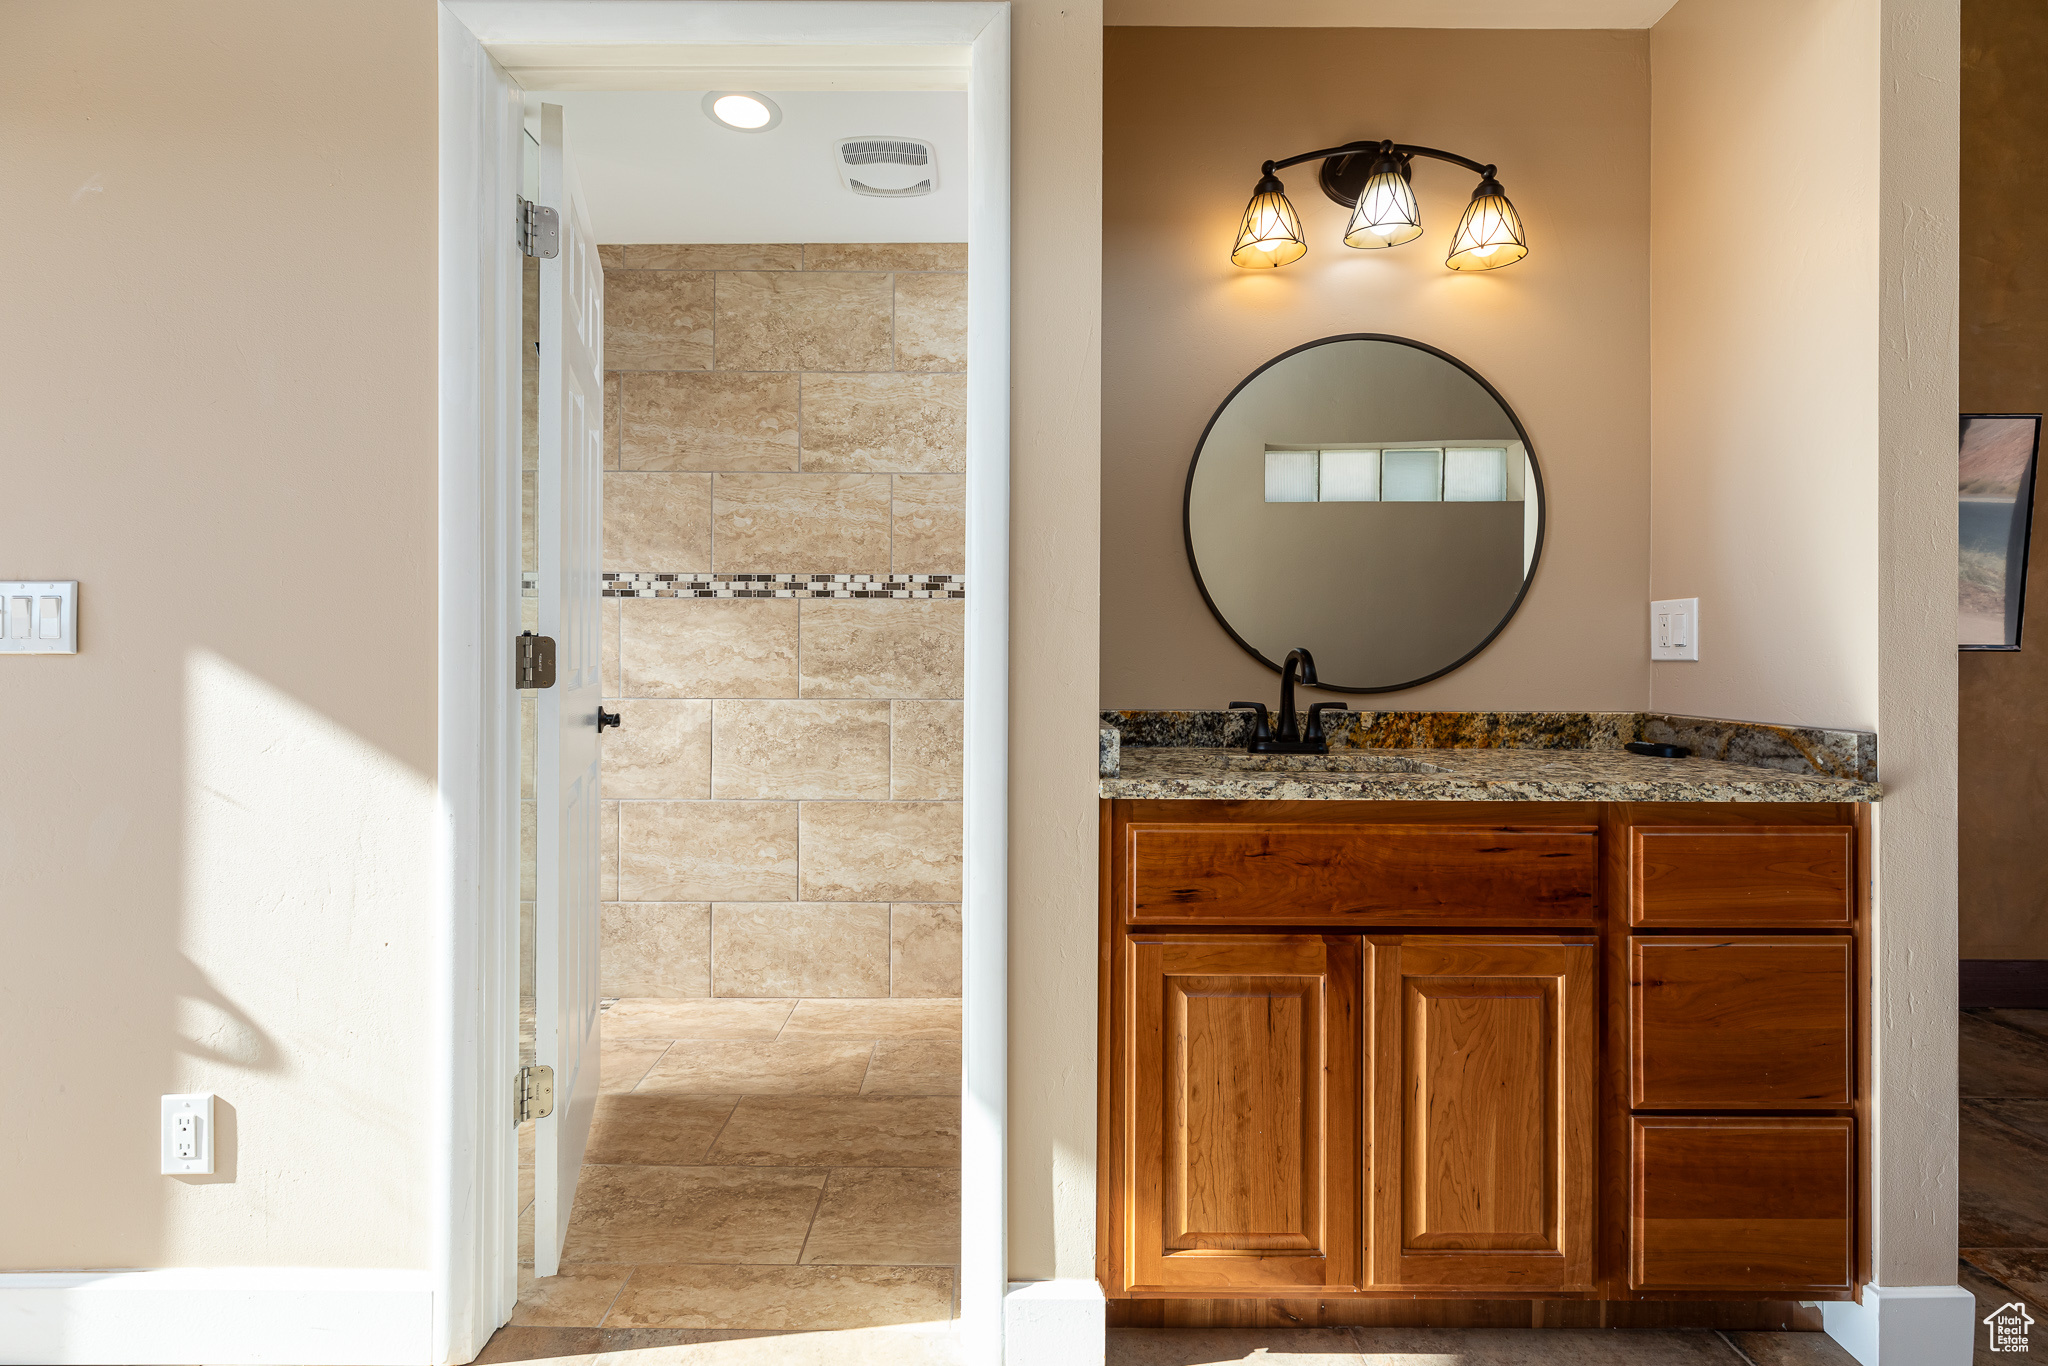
(1740,1024)
(1342,874)
(1738,876)
(1735,1204)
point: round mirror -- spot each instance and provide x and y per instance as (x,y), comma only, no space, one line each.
(1370,499)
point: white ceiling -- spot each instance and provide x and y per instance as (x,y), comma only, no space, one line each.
(656,169)
(1388,13)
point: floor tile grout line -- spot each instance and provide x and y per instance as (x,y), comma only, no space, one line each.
(811,1227)
(1729,1342)
(613,1303)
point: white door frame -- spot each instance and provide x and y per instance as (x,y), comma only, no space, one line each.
(475,1043)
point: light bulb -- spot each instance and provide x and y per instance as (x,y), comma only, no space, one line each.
(741,111)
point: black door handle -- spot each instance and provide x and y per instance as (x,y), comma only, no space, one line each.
(606,718)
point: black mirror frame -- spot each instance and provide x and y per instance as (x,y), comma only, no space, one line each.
(1535,473)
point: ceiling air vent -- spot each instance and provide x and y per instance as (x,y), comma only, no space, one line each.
(887,167)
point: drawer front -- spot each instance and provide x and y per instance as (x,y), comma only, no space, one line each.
(1332,874)
(1735,1204)
(1738,877)
(1740,1023)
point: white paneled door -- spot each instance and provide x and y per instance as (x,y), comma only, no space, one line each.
(570,549)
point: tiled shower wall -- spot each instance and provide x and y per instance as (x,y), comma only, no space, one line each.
(782,802)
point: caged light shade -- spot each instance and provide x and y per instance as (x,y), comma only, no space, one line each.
(1386,215)
(1270,234)
(1490,234)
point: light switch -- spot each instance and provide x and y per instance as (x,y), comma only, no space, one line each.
(1675,629)
(39,618)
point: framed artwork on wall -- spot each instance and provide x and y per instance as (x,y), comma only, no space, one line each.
(1994,510)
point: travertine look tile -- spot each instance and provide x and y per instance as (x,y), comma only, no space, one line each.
(651,1019)
(691,1214)
(899,1216)
(913,1067)
(924,950)
(657,320)
(614,409)
(662,748)
(709,851)
(905,648)
(895,1019)
(608,852)
(642,1130)
(839,1131)
(925,751)
(801,523)
(897,423)
(797,749)
(800,1067)
(709,420)
(877,851)
(655,521)
(622,1062)
(529,837)
(774,321)
(885,256)
(529,742)
(655,948)
(610,256)
(712,256)
(931,322)
(608,614)
(707,647)
(529,520)
(788,1298)
(577,1298)
(928,519)
(807,949)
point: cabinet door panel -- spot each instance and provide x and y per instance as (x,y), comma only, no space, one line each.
(1327,874)
(1734,1204)
(1739,877)
(1484,1098)
(1243,1099)
(1751,1023)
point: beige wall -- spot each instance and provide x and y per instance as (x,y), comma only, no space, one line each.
(782,813)
(1190,113)
(1764,356)
(217,817)
(2004,730)
(1804,457)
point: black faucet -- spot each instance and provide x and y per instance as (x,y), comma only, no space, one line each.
(1287,737)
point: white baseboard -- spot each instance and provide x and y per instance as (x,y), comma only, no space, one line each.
(236,1316)
(1906,1325)
(1053,1323)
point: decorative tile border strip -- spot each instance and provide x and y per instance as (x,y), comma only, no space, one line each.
(1793,749)
(907,586)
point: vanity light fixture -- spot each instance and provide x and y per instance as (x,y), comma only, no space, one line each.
(1372,180)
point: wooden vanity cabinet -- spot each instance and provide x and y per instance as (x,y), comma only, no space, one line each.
(1401,1051)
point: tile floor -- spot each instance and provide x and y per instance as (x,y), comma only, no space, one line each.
(757,1167)
(2004,1218)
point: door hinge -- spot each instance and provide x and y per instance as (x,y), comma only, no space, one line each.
(540,230)
(534,1093)
(533,660)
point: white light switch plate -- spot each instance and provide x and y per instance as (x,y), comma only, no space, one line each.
(188,1135)
(1675,629)
(38,617)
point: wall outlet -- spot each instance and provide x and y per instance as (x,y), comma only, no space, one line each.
(187,1140)
(1675,629)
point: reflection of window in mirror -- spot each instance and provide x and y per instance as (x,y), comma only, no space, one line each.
(1290,476)
(1412,476)
(1476,474)
(1350,477)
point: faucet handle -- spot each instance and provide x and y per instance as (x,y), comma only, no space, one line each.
(1261,731)
(1315,717)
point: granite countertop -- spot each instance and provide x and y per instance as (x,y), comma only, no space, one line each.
(1491,775)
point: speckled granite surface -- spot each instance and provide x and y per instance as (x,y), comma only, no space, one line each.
(1474,775)
(1488,756)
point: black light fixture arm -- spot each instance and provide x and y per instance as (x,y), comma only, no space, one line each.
(1404,149)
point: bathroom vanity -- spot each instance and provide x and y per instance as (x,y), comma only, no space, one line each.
(1478,1024)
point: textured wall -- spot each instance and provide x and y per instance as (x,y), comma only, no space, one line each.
(782,813)
(218,817)
(2004,730)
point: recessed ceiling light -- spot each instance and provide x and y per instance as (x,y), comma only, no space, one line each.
(742,110)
